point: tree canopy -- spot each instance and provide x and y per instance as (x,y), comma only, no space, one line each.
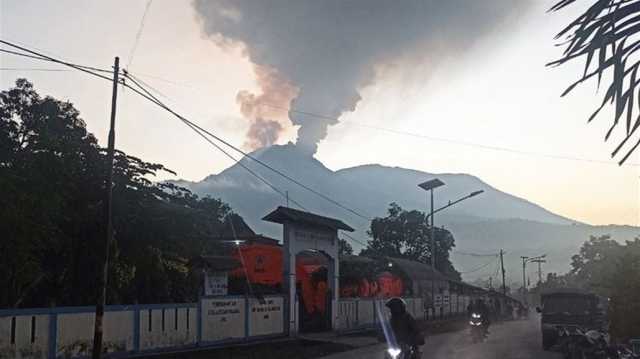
(52,178)
(610,269)
(405,234)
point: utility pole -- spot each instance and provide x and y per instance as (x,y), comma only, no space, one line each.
(490,282)
(524,279)
(539,261)
(504,287)
(108,209)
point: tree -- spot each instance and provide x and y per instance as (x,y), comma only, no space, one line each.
(405,234)
(612,270)
(52,174)
(344,248)
(625,297)
(605,36)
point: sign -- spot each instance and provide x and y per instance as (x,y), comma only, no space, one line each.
(266,317)
(216,283)
(313,236)
(222,318)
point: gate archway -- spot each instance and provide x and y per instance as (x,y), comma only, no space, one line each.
(304,231)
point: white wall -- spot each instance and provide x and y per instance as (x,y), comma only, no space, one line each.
(75,332)
(266,318)
(24,347)
(222,319)
(157,337)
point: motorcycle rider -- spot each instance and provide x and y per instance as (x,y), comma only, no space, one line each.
(404,326)
(481,308)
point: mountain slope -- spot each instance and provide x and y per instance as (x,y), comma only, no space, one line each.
(485,223)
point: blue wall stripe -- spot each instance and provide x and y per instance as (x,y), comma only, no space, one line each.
(136,330)
(53,335)
(199,317)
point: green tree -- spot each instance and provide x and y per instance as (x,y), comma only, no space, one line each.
(405,234)
(344,248)
(52,173)
(604,37)
(625,297)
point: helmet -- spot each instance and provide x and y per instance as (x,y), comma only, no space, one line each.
(396,305)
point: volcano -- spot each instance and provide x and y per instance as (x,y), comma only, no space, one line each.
(485,224)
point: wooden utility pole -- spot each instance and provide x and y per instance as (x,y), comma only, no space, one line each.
(524,279)
(504,286)
(539,261)
(108,209)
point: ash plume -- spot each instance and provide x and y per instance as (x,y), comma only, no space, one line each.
(328,50)
(267,112)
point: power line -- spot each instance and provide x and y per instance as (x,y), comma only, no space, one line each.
(200,132)
(477,269)
(274,188)
(353,239)
(139,34)
(38,56)
(247,155)
(475,254)
(418,135)
(31,69)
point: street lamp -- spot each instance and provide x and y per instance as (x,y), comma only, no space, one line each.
(472,194)
(526,260)
(430,186)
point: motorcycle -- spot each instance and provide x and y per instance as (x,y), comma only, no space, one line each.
(477,327)
(591,344)
(402,352)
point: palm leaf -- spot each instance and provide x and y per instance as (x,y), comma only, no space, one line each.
(605,37)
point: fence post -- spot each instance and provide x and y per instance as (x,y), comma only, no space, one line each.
(246,318)
(199,325)
(53,335)
(136,328)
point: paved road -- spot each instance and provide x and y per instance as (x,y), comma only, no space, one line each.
(510,340)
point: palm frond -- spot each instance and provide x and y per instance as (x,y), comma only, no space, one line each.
(607,37)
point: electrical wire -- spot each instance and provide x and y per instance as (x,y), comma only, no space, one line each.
(413,134)
(239,162)
(247,155)
(35,55)
(477,269)
(31,69)
(195,128)
(139,33)
(475,254)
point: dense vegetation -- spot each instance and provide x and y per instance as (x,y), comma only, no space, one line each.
(610,269)
(52,178)
(405,234)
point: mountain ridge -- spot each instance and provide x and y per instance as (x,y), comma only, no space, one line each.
(490,221)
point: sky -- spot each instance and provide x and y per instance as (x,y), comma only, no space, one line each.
(496,92)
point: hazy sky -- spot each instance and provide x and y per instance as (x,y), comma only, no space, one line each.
(496,93)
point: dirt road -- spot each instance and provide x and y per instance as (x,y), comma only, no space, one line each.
(509,340)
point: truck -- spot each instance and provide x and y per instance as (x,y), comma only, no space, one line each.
(566,308)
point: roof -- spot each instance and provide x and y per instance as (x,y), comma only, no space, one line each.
(562,291)
(284,214)
(216,263)
(416,270)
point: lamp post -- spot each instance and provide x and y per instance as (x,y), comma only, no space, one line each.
(526,260)
(429,186)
